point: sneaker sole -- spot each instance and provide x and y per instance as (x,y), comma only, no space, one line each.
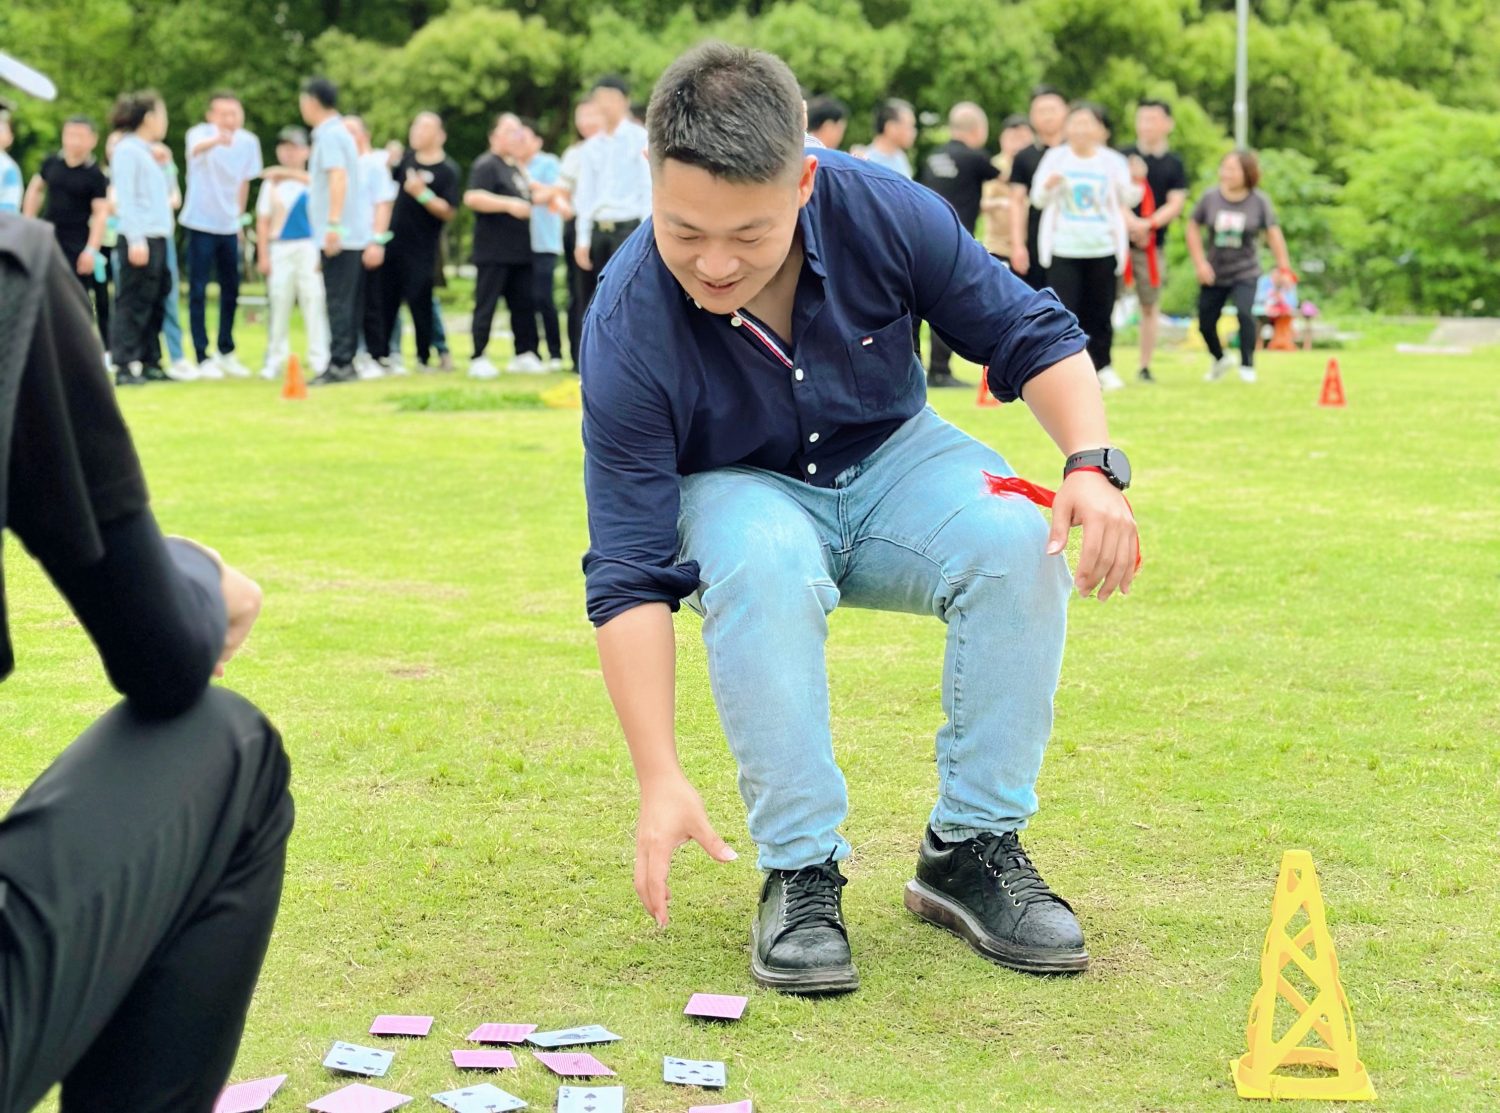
(808,983)
(928,904)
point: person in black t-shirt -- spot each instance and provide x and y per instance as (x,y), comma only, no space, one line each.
(1049,115)
(71,192)
(957,172)
(427,202)
(500,195)
(1151,158)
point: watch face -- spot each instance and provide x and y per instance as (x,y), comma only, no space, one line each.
(1118,466)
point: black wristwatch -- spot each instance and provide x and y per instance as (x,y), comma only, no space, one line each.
(1111,461)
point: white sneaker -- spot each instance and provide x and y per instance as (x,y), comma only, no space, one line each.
(231,365)
(183,370)
(1220,368)
(269,373)
(210,369)
(369,369)
(527,363)
(556,363)
(392,365)
(1109,379)
(1247,374)
(482,368)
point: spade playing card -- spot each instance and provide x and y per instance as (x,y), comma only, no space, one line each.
(591,1099)
(572,1037)
(480,1099)
(692,1072)
(350,1058)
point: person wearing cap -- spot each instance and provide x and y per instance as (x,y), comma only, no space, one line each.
(287,256)
(140,874)
(613,194)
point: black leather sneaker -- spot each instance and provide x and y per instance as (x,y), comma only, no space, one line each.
(335,375)
(987,891)
(798,941)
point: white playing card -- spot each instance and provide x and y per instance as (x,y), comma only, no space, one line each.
(484,1098)
(572,1037)
(591,1099)
(350,1058)
(693,1072)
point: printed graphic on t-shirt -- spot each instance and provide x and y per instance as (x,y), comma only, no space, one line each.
(941,165)
(1085,201)
(1229,228)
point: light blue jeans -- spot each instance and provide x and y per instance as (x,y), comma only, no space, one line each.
(912,528)
(171,321)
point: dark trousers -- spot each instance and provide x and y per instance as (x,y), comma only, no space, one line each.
(344,283)
(580,289)
(221,255)
(1211,300)
(140,306)
(513,282)
(97,291)
(139,881)
(940,364)
(602,247)
(544,300)
(405,278)
(1087,288)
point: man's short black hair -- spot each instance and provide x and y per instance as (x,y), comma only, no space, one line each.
(1015,120)
(825,110)
(1094,109)
(222,94)
(322,90)
(613,81)
(890,111)
(1152,102)
(1040,91)
(730,110)
(85,121)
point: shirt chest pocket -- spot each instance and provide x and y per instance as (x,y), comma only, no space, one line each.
(884,366)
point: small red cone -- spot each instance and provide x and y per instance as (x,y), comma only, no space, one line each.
(984,398)
(294,388)
(1333,386)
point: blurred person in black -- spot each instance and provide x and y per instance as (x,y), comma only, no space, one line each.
(141,873)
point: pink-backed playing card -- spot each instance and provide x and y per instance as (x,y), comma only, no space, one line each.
(502,1033)
(248,1097)
(401,1026)
(483,1060)
(572,1064)
(716,1006)
(736,1107)
(359,1098)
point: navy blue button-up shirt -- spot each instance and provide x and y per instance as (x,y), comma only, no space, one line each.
(670,390)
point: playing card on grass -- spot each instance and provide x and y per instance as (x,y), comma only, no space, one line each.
(572,1037)
(502,1033)
(716,1006)
(248,1097)
(572,1064)
(692,1072)
(353,1059)
(401,1026)
(591,1099)
(480,1099)
(732,1107)
(484,1060)
(359,1098)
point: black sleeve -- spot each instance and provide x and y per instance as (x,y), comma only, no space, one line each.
(985,168)
(445,183)
(1023,167)
(1176,175)
(482,175)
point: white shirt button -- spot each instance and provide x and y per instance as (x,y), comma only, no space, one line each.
(813,439)
(798,375)
(736,322)
(812,469)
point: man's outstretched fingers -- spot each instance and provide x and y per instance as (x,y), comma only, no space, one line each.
(718,849)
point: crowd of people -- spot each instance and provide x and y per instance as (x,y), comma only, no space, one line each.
(349,232)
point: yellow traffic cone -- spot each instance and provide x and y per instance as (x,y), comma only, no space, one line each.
(1341,1076)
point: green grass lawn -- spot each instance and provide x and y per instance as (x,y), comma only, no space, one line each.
(1308,659)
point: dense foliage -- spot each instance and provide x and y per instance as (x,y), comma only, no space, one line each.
(1380,119)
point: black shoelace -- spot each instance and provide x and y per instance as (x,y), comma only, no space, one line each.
(812,897)
(1009,864)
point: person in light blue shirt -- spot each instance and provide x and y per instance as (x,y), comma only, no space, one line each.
(545,171)
(895,133)
(333,196)
(11,189)
(144,208)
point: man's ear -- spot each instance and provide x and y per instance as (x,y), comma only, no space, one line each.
(805,181)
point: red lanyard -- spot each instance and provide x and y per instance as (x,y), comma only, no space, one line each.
(1015,485)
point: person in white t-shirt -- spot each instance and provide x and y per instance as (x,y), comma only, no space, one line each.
(222,160)
(288,256)
(1084,190)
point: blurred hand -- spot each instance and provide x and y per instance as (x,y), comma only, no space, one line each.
(1137,167)
(581,257)
(332,243)
(1206,274)
(263,263)
(1140,230)
(1055,181)
(1020,259)
(1107,559)
(414,185)
(373,256)
(671,816)
(139,254)
(242,600)
(85,264)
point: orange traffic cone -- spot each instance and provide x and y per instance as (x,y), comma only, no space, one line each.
(294,388)
(1281,334)
(1333,386)
(984,398)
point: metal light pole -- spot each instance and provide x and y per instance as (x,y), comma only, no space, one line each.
(1242,74)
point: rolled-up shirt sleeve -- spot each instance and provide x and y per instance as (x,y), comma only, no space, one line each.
(632,485)
(983,311)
